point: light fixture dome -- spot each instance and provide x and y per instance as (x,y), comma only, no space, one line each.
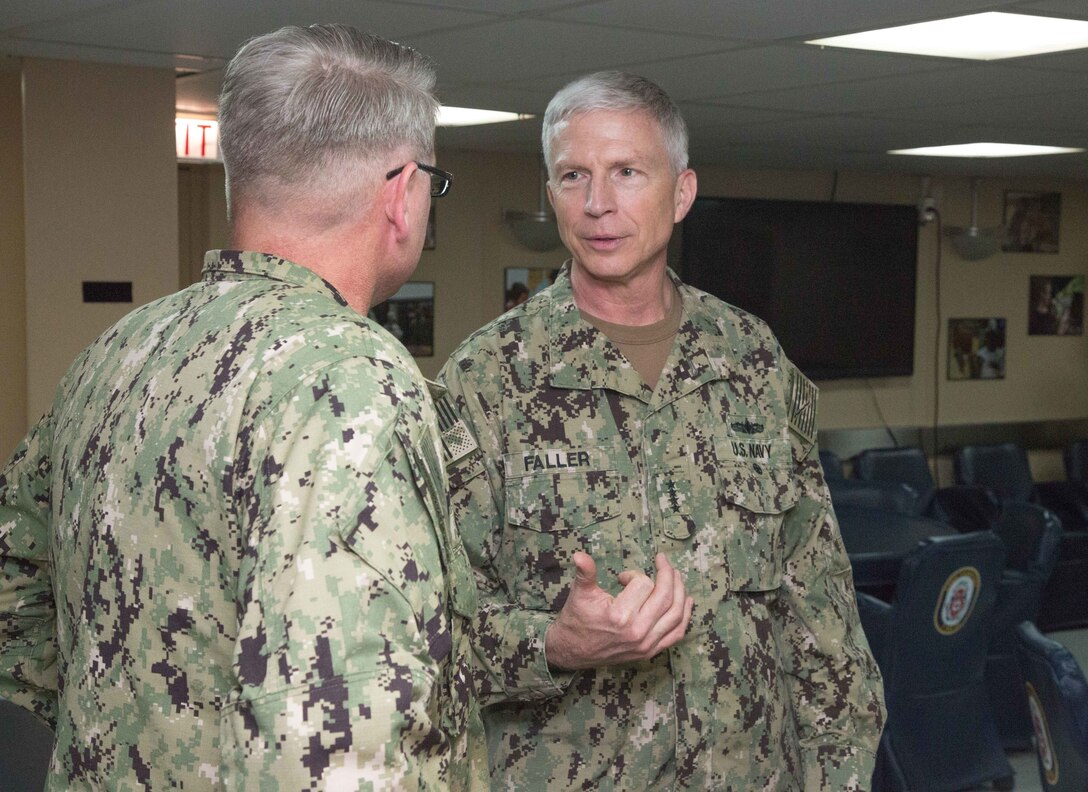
(535,230)
(973,243)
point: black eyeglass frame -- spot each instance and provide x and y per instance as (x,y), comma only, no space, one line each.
(446,176)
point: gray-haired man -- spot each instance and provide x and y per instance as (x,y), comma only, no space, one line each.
(225,553)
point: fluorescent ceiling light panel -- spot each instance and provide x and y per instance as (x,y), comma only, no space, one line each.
(989,36)
(466,116)
(985,150)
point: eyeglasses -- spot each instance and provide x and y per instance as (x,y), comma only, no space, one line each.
(440,179)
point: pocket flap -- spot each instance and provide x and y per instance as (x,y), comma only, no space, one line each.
(562,502)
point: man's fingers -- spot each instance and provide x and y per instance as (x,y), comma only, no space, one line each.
(662,598)
(673,636)
(628,603)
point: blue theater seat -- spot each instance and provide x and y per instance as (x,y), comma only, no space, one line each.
(967,508)
(1075,456)
(831,465)
(931,644)
(1058,696)
(1031,536)
(1003,469)
(885,495)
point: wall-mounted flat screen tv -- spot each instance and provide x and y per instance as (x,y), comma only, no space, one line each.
(835,281)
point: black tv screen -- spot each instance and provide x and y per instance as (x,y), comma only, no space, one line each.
(835,281)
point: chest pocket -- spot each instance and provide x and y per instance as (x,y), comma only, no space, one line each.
(557,503)
(756,488)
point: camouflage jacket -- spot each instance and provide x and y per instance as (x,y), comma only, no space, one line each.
(225,553)
(774,686)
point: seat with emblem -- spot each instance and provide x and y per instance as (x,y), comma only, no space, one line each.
(930,644)
(1058,699)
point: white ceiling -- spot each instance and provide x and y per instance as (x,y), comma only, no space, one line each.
(754,94)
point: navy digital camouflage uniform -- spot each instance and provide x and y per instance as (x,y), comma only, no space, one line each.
(225,553)
(773,687)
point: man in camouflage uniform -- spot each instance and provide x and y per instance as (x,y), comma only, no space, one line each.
(226,554)
(647,463)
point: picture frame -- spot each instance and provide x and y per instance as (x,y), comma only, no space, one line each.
(521,283)
(1056,305)
(976,348)
(409,317)
(1032,222)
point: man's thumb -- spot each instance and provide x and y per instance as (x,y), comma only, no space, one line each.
(585,575)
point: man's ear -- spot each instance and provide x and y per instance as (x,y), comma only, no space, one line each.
(398,201)
(686,187)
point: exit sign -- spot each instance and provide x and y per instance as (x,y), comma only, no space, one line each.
(197,140)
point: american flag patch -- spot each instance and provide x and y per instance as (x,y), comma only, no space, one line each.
(457,440)
(802,405)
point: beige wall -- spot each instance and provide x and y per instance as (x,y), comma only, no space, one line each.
(100,203)
(114,216)
(12,272)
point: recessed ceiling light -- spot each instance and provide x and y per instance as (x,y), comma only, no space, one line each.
(986,150)
(988,36)
(467,116)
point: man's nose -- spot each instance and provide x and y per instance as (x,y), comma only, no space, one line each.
(600,197)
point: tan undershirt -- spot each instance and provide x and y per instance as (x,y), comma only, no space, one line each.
(646,346)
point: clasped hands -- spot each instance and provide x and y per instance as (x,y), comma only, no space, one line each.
(594,628)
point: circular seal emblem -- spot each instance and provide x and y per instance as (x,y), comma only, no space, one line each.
(957,600)
(1043,744)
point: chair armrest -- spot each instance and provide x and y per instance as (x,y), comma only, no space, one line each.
(1068,500)
(1019,596)
(967,507)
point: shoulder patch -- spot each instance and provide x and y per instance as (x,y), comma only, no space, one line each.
(801,404)
(457,439)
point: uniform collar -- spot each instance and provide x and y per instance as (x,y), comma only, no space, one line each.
(222,264)
(582,357)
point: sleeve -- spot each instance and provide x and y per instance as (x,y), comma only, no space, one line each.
(28,644)
(343,626)
(835,684)
(507,640)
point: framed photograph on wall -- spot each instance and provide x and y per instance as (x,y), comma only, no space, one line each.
(409,316)
(521,283)
(1056,305)
(976,349)
(1032,222)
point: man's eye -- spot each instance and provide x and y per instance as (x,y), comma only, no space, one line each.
(569,176)
(627,171)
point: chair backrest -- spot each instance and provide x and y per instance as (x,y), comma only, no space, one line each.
(26,746)
(1076,461)
(831,464)
(946,592)
(1058,700)
(1032,536)
(940,730)
(1002,468)
(887,495)
(907,464)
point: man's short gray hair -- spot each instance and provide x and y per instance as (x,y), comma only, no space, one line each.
(613,90)
(299,106)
